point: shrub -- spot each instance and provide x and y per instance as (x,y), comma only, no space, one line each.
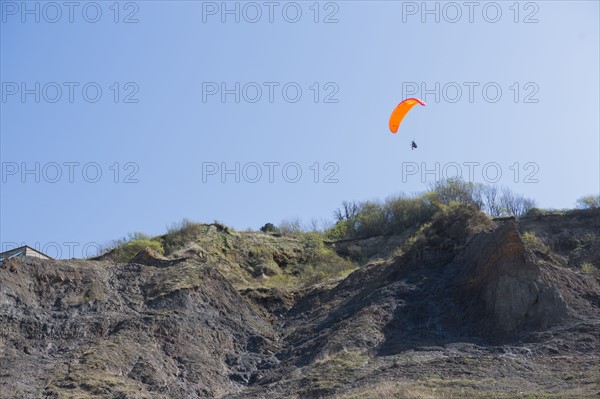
(269,228)
(588,202)
(181,233)
(291,226)
(531,239)
(454,222)
(587,267)
(532,212)
(220,226)
(126,248)
(342,229)
(533,242)
(396,214)
(456,190)
(320,263)
(178,226)
(371,220)
(402,212)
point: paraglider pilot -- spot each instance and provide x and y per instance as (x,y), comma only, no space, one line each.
(413,145)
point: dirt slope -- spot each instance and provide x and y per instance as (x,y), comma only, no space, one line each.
(462,307)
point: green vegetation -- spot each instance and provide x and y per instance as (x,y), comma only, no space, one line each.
(313,264)
(531,239)
(269,228)
(293,255)
(125,249)
(321,263)
(180,234)
(397,214)
(372,218)
(247,259)
(587,267)
(533,242)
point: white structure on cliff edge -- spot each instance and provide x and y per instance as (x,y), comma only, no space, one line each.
(20,252)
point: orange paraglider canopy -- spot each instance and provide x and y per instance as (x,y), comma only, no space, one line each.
(400,112)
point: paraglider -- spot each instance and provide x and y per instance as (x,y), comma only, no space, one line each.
(400,112)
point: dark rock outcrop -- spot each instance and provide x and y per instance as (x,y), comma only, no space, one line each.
(503,287)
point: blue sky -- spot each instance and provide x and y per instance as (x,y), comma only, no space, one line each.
(155,127)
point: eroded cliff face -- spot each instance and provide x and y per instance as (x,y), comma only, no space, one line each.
(504,287)
(92,328)
(457,299)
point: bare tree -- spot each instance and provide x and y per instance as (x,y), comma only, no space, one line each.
(291,226)
(515,204)
(314,225)
(528,204)
(490,200)
(588,202)
(326,224)
(509,202)
(348,211)
(477,195)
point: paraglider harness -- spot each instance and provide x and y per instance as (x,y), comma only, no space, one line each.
(413,145)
